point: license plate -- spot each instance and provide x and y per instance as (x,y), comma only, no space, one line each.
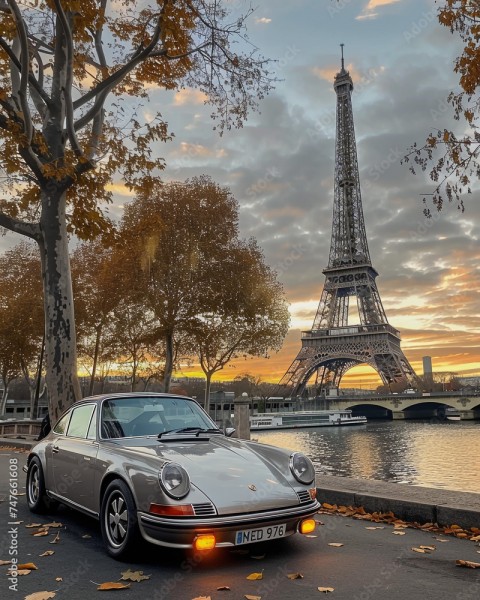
(262,534)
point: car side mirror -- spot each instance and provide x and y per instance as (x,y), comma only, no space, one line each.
(229,431)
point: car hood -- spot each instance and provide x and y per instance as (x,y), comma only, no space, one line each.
(236,476)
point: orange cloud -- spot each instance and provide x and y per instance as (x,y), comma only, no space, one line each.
(189,96)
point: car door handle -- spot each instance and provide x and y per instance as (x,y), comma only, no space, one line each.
(55,449)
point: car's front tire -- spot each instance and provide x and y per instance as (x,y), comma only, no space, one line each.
(118,520)
(37,499)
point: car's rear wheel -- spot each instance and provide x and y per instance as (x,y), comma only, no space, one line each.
(118,520)
(37,499)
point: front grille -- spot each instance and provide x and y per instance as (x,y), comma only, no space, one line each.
(304,496)
(204,510)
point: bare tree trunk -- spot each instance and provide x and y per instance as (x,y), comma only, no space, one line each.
(208,385)
(3,402)
(60,339)
(95,359)
(168,362)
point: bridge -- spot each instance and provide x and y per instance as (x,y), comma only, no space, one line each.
(407,405)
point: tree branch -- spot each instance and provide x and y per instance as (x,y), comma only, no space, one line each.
(31,230)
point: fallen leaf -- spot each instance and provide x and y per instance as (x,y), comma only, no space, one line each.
(20,572)
(33,525)
(310,536)
(58,578)
(295,576)
(56,539)
(398,533)
(134,576)
(467,563)
(202,598)
(441,540)
(40,596)
(113,585)
(325,589)
(40,533)
(431,548)
(335,544)
(48,553)
(15,522)
(86,536)
(29,565)
(223,588)
(5,562)
(248,597)
(255,576)
(420,550)
(475,538)
(53,524)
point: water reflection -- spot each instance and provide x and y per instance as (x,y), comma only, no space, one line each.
(435,454)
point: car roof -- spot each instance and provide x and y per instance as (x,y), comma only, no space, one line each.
(119,395)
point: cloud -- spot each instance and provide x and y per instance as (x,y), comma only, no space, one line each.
(263,20)
(189,96)
(369,10)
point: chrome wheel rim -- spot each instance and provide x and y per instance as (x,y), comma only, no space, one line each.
(116,519)
(34,484)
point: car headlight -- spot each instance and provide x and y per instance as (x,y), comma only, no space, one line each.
(174,480)
(302,468)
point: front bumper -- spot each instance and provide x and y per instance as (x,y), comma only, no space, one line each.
(181,532)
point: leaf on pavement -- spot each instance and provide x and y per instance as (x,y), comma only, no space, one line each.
(47,553)
(5,562)
(202,598)
(441,540)
(40,533)
(33,525)
(20,572)
(113,585)
(468,563)
(421,550)
(398,533)
(40,596)
(431,548)
(86,536)
(56,539)
(58,578)
(335,544)
(325,589)
(249,597)
(134,576)
(30,565)
(295,576)
(53,524)
(255,576)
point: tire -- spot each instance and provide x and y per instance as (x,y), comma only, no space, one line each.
(118,520)
(37,499)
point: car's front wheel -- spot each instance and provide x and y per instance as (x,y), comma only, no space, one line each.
(118,520)
(37,499)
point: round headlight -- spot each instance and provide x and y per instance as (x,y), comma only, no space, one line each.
(174,480)
(302,468)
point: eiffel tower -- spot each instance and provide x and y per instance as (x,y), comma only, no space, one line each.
(333,345)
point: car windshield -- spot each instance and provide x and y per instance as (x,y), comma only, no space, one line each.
(139,416)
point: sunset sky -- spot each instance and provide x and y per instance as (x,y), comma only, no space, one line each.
(280,168)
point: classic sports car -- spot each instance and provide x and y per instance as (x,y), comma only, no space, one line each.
(156,466)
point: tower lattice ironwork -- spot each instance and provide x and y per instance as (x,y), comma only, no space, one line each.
(333,345)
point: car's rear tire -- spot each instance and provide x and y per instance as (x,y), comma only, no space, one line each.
(37,499)
(118,520)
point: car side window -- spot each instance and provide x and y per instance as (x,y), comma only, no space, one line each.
(92,430)
(80,421)
(61,426)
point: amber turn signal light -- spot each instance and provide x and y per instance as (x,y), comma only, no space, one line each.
(307,526)
(204,542)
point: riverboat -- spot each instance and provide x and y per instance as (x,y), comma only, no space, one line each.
(452,414)
(300,419)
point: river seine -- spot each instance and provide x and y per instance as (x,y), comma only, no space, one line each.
(426,453)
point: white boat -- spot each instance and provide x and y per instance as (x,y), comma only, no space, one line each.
(452,414)
(298,419)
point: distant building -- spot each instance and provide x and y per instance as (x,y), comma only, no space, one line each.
(427,365)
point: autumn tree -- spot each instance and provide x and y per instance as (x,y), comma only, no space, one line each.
(95,271)
(453,157)
(252,317)
(21,317)
(72,75)
(175,238)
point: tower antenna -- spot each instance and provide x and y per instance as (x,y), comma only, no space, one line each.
(343,62)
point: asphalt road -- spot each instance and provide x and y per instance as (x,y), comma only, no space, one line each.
(371,563)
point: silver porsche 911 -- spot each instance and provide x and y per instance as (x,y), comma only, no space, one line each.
(155,466)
